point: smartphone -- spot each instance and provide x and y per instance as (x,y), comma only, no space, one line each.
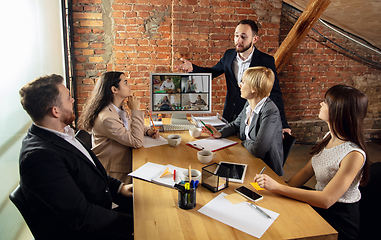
(247,193)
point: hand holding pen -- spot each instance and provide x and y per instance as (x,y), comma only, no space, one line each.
(266,182)
(212,131)
(153,132)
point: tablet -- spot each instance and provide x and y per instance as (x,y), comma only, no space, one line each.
(237,171)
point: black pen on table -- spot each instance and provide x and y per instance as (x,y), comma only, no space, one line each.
(210,130)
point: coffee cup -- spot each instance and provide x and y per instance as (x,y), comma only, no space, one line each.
(196,175)
(205,156)
(174,140)
(195,132)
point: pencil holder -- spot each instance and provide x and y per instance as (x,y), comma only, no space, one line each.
(212,177)
(187,199)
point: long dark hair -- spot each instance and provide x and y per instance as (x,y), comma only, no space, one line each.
(347,108)
(101,96)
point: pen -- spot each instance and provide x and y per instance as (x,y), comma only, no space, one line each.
(210,130)
(197,146)
(263,169)
(174,175)
(152,121)
(259,210)
(190,173)
(180,187)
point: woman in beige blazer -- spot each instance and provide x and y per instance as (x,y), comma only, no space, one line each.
(114,131)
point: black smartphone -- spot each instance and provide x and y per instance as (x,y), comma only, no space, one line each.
(247,193)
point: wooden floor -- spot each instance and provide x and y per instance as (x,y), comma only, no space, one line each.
(299,156)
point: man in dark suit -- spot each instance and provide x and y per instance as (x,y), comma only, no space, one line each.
(69,191)
(234,63)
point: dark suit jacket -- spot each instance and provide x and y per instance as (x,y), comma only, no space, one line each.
(69,195)
(233,101)
(265,130)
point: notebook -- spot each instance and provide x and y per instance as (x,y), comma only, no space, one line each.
(211,144)
(157,173)
(212,120)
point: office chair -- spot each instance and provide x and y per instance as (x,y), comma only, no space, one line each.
(370,208)
(18,199)
(288,142)
(84,136)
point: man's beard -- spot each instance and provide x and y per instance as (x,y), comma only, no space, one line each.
(244,49)
(68,117)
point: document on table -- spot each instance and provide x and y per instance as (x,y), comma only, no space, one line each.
(212,120)
(240,216)
(150,142)
(151,172)
(211,144)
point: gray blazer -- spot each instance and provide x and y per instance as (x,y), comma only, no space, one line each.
(266,132)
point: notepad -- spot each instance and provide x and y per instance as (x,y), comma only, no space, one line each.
(211,144)
(256,186)
(151,172)
(151,142)
(212,120)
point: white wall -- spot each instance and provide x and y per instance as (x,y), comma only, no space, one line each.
(31,46)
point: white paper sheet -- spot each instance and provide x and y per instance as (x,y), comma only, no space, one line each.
(240,216)
(150,142)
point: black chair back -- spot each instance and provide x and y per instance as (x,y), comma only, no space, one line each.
(18,199)
(370,208)
(288,142)
(84,136)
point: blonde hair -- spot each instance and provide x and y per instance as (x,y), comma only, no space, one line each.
(260,79)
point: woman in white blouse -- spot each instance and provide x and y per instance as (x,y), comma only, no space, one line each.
(339,163)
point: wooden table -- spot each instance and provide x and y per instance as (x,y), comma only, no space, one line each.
(157,216)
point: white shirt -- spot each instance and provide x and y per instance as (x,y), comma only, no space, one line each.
(327,163)
(122,115)
(250,115)
(240,66)
(166,84)
(70,138)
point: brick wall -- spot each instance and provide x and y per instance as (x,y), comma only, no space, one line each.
(317,65)
(139,37)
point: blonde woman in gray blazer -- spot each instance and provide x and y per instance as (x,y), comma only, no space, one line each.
(114,131)
(259,124)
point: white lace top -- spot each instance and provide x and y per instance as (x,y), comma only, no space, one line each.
(326,164)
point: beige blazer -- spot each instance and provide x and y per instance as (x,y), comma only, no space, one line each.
(113,143)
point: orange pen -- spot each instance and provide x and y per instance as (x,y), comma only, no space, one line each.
(152,121)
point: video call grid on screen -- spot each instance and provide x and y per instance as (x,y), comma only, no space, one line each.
(180,92)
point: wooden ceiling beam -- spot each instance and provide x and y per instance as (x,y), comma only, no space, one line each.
(299,31)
